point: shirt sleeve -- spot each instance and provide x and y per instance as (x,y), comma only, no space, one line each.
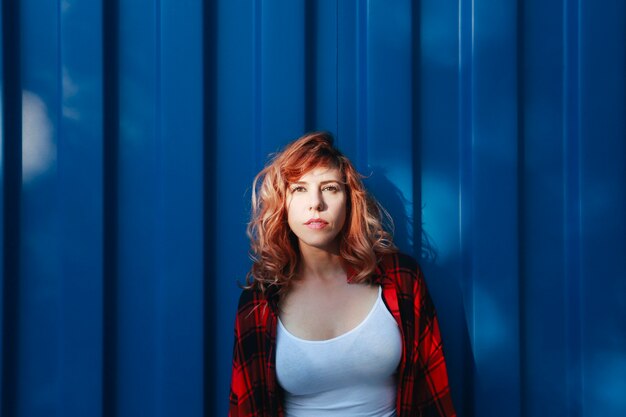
(431,389)
(244,378)
(249,384)
(237,378)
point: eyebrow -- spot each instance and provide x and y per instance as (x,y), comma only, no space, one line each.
(321,183)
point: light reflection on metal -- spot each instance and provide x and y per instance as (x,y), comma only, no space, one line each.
(38,151)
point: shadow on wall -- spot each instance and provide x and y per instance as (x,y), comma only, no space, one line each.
(444,288)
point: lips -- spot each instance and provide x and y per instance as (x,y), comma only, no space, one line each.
(316,221)
(316,224)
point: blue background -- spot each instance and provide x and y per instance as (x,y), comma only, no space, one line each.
(493,131)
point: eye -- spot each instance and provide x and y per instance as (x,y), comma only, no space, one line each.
(297,189)
(332,188)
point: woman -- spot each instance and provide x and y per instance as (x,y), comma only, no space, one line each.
(333,320)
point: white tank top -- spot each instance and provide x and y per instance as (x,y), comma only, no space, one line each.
(353,374)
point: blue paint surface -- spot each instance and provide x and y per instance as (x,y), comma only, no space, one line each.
(493,132)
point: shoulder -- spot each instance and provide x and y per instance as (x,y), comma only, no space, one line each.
(249,296)
(253,306)
(249,299)
(399,264)
(402,269)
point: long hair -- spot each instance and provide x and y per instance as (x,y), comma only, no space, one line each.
(274,247)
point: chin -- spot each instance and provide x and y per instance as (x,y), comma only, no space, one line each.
(326,245)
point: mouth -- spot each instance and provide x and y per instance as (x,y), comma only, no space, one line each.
(316,224)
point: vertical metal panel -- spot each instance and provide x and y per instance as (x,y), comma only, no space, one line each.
(3,349)
(110,131)
(60,283)
(39,301)
(602,204)
(542,251)
(140,237)
(322,22)
(160,280)
(282,80)
(571,215)
(495,208)
(131,132)
(351,69)
(80,205)
(237,157)
(559,91)
(445,60)
(388,113)
(180,298)
(11,178)
(2,236)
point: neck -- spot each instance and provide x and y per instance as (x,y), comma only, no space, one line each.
(319,264)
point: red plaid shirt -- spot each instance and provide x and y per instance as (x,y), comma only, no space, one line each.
(422,377)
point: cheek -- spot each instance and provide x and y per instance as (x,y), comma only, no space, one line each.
(343,213)
(290,214)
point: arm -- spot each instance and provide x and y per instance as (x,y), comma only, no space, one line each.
(431,390)
(250,380)
(245,354)
(237,374)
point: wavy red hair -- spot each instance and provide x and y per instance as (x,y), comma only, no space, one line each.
(274,247)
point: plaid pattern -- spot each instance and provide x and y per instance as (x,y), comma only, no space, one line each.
(422,377)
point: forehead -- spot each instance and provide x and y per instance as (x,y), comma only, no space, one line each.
(320,174)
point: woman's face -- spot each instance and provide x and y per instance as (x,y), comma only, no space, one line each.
(316,208)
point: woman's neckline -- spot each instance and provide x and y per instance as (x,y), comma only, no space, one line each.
(338,337)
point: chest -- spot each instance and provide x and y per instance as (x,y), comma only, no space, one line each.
(352,374)
(321,313)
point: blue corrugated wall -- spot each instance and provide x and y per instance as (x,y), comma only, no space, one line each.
(493,131)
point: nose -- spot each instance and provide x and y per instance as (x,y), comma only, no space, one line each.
(316,202)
